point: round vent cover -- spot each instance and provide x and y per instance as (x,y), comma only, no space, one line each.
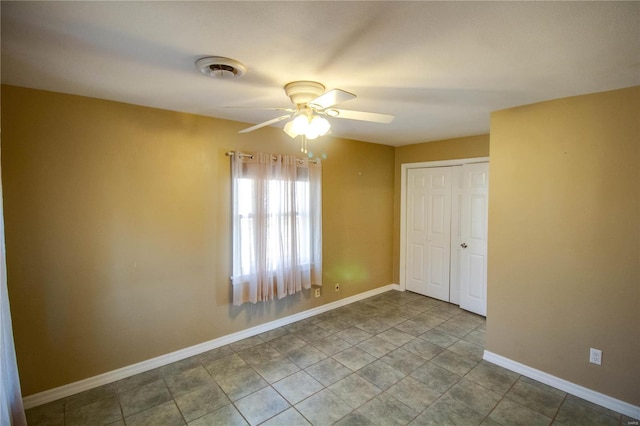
(221,68)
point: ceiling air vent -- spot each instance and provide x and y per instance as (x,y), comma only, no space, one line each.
(221,68)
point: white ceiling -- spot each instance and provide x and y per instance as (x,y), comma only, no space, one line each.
(439,67)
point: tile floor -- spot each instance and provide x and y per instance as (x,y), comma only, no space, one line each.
(392,359)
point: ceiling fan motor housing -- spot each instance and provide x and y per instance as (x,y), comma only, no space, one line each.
(302,92)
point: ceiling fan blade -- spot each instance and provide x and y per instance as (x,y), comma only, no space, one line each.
(331,98)
(265,123)
(360,115)
(259,108)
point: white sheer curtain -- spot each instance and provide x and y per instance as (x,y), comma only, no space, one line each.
(277,226)
(11,409)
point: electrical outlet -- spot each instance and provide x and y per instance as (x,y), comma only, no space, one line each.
(317,292)
(595,356)
(337,286)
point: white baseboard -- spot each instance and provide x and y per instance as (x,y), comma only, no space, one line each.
(124,372)
(564,385)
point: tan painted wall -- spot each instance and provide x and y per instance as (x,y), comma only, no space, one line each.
(448,149)
(564,239)
(118,232)
(117,227)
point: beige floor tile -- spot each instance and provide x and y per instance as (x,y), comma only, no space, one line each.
(261,405)
(512,413)
(395,358)
(323,408)
(166,414)
(298,387)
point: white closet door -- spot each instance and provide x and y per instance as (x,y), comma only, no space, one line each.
(428,231)
(473,259)
(456,234)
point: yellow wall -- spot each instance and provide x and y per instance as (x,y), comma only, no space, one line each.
(117,227)
(564,239)
(118,235)
(448,149)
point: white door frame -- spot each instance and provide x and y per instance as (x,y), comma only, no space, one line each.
(403,201)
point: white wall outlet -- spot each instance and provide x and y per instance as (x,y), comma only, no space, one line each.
(595,356)
(317,292)
(337,286)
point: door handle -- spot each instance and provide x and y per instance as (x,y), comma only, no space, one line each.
(463,245)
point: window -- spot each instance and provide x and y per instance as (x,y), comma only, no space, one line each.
(277,232)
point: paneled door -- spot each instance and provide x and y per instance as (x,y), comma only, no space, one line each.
(473,233)
(456,236)
(428,231)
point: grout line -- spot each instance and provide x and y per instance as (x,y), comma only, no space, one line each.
(173,398)
(504,396)
(120,403)
(559,407)
(233,403)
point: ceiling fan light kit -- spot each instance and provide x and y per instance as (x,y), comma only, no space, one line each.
(310,100)
(309,125)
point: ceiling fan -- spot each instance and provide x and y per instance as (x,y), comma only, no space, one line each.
(311,103)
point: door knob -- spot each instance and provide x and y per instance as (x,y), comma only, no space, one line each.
(463,245)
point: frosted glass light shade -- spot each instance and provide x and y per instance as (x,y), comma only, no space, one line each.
(300,124)
(312,133)
(288,129)
(320,125)
(310,127)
